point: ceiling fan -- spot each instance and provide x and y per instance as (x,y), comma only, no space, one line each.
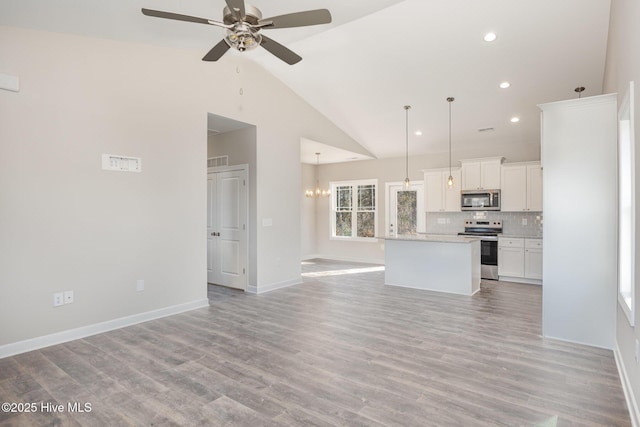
(243,25)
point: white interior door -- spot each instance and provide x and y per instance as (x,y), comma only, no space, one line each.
(405,208)
(227,228)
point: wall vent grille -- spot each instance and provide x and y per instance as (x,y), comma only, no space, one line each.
(216,162)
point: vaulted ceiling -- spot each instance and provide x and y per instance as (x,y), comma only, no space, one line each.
(379,55)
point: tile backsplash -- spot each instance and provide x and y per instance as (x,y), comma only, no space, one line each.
(513,223)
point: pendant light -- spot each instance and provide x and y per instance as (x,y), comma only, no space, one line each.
(407,181)
(450,179)
(318,192)
(579,89)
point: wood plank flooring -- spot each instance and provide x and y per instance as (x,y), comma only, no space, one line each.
(341,349)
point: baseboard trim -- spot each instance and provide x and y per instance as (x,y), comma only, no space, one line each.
(349,259)
(604,347)
(273,286)
(520,280)
(632,404)
(97,328)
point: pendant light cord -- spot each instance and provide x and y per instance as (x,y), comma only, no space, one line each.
(406,109)
(449,137)
(450,179)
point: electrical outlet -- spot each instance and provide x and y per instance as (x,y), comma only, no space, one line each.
(68,297)
(58,299)
(140,285)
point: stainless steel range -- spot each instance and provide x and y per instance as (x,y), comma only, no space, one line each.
(488,232)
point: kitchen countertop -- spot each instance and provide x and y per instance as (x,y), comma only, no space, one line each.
(443,238)
(518,236)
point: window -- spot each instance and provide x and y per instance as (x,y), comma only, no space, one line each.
(353,213)
(626,209)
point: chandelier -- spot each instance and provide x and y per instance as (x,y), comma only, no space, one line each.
(318,192)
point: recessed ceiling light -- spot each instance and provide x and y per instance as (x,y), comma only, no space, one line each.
(504,85)
(515,119)
(489,37)
(418,133)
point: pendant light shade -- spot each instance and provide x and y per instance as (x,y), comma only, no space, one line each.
(450,179)
(318,192)
(407,181)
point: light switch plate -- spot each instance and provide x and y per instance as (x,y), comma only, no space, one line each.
(115,162)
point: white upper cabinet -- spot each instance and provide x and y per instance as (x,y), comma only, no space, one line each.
(534,188)
(521,187)
(439,196)
(478,174)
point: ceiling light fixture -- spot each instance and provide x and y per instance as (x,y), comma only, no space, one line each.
(418,133)
(450,179)
(318,192)
(504,85)
(515,119)
(489,37)
(407,181)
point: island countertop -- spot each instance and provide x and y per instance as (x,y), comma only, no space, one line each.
(423,237)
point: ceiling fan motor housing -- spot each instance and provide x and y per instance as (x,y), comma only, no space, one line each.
(251,15)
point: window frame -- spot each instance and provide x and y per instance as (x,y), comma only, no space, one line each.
(354,184)
(626,206)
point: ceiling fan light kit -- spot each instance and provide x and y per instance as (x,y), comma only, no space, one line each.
(243,24)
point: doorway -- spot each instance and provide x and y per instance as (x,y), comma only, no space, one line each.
(231,203)
(404,208)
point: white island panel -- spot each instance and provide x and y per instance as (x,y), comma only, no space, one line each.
(444,265)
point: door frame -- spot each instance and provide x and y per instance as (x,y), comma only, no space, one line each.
(244,168)
(421,214)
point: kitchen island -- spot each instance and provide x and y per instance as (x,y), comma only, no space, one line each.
(444,263)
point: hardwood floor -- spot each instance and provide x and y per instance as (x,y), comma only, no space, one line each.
(341,349)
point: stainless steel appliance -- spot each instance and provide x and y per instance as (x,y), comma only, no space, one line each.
(480,200)
(488,232)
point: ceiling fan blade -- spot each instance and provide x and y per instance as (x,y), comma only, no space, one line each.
(217,51)
(298,19)
(237,5)
(280,51)
(176,16)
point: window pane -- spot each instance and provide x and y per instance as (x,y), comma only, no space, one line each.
(366,197)
(343,198)
(407,205)
(366,224)
(343,224)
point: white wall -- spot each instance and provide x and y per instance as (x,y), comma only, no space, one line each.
(66,224)
(579,158)
(391,170)
(623,65)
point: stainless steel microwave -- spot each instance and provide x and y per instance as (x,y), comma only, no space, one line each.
(480,200)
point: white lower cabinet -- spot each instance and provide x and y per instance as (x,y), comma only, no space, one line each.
(520,259)
(533,259)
